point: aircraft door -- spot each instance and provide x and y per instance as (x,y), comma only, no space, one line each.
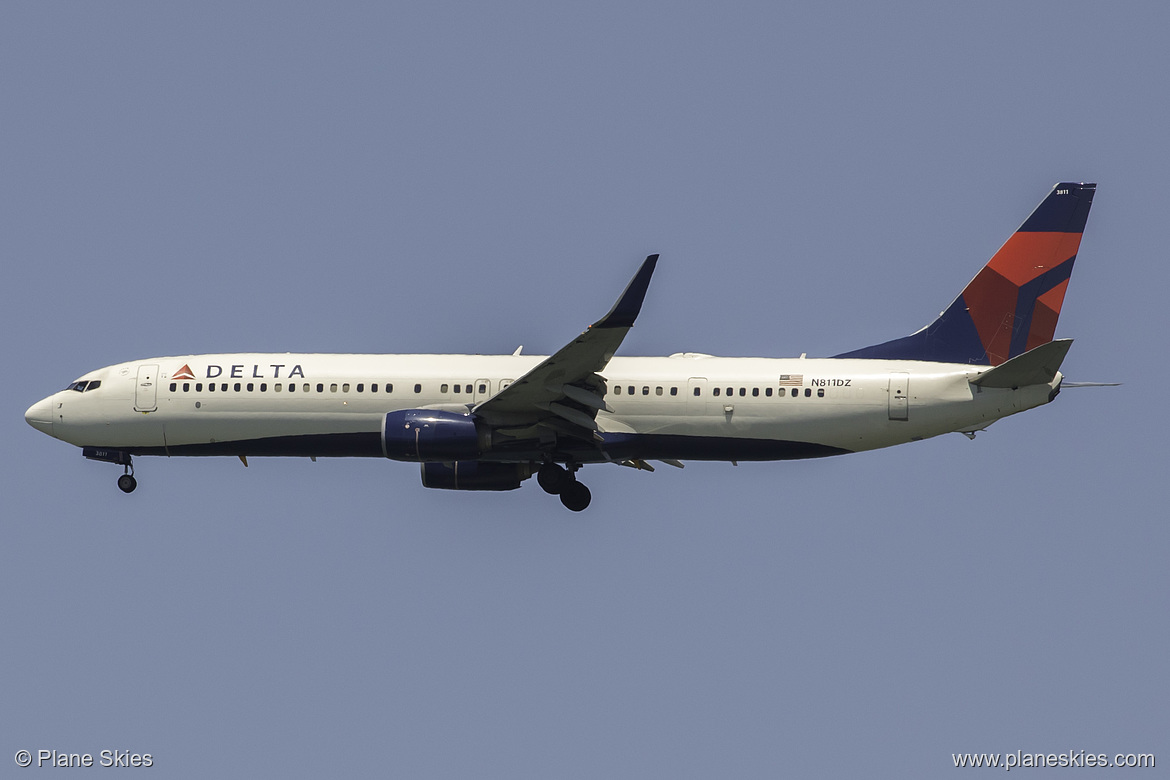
(899,395)
(146,390)
(483,390)
(696,395)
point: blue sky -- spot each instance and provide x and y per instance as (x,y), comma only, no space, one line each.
(450,177)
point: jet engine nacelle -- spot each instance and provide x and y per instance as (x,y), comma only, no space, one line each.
(474,475)
(425,434)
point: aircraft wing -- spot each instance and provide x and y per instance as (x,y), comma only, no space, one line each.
(564,393)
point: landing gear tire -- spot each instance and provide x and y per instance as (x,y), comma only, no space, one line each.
(127,483)
(575,496)
(553,479)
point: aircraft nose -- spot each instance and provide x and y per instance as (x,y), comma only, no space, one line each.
(40,416)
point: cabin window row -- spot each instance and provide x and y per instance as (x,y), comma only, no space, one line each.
(457,389)
(445,388)
(755,392)
(278,387)
(309,387)
(632,390)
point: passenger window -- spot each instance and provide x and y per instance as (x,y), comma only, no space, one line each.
(443,388)
(374,388)
(186,386)
(674,391)
(714,392)
(263,387)
(808,392)
(251,387)
(174,386)
(768,391)
(389,388)
(292,388)
(468,389)
(630,390)
(278,387)
(820,392)
(418,388)
(457,388)
(333,387)
(321,387)
(305,387)
(345,387)
(794,392)
(731,391)
(211,387)
(697,392)
(658,391)
(237,387)
(361,387)
(742,391)
(483,388)
(645,390)
(755,392)
(198,387)
(617,390)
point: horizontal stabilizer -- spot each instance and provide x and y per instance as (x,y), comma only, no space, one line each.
(1035,367)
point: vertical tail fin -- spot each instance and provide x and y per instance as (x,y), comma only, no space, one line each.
(1012,305)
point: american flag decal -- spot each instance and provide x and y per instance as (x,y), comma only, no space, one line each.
(791,380)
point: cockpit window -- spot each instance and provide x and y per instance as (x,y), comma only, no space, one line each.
(94,385)
(77,386)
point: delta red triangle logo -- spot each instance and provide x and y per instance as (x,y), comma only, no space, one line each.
(183,373)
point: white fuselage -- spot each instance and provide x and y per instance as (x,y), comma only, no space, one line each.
(488,422)
(234,403)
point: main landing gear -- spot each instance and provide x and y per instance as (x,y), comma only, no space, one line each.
(558,481)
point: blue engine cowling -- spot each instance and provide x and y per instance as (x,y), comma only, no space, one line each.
(475,475)
(425,434)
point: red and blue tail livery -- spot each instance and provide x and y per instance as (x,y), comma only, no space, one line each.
(1012,305)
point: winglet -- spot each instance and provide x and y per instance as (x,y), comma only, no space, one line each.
(625,311)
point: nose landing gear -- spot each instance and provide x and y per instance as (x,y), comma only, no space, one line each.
(126,482)
(558,481)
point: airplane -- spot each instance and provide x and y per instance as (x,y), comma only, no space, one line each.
(489,422)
